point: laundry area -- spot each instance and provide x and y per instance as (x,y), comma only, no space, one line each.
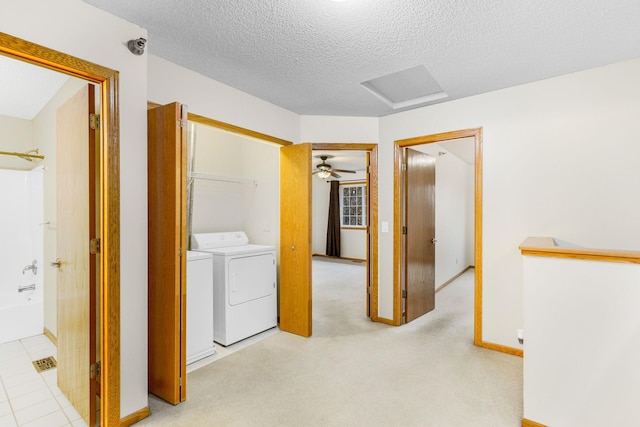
(225,195)
(233,192)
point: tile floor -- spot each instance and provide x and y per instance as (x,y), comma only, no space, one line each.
(29,398)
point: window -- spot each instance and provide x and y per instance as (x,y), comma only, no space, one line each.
(353,205)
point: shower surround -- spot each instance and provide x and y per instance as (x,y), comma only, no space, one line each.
(21,254)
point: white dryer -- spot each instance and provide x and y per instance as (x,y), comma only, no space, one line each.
(244,285)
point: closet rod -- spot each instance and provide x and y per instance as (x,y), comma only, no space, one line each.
(25,156)
(222,178)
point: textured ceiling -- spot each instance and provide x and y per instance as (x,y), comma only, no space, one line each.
(311,56)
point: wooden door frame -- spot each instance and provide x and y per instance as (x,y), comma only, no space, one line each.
(399,145)
(372,256)
(109,183)
(475,133)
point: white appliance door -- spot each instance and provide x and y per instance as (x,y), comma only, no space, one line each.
(251,278)
(199,308)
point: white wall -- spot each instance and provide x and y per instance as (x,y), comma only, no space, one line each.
(353,243)
(454,206)
(320,191)
(17,136)
(169,82)
(75,28)
(330,129)
(559,159)
(581,342)
(256,209)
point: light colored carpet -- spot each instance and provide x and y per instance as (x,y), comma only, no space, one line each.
(353,372)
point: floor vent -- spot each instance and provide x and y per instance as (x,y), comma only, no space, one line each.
(45,364)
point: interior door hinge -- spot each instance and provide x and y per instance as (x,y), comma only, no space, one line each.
(404,166)
(179,251)
(368,169)
(369,289)
(404,293)
(180,381)
(94,246)
(404,230)
(94,370)
(94,121)
(184,111)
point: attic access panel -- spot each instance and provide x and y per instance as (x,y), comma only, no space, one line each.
(406,88)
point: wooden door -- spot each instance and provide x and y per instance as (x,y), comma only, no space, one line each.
(419,249)
(76,277)
(167,180)
(295,239)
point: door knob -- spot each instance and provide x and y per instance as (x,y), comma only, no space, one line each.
(57,263)
(293,248)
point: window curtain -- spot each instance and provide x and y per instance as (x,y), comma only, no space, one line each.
(333,225)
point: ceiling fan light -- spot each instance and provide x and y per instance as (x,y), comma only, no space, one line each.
(324,174)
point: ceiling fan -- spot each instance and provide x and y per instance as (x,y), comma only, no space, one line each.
(324,169)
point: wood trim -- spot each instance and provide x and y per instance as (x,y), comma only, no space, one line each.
(448,282)
(137,416)
(439,137)
(343,146)
(397,209)
(373,214)
(384,320)
(501,348)
(339,258)
(47,333)
(547,247)
(352,183)
(109,205)
(477,311)
(397,234)
(196,118)
(529,423)
(364,228)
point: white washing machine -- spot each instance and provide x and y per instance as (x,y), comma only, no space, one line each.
(244,285)
(199,306)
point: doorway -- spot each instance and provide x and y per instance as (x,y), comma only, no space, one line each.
(107,182)
(399,146)
(193,170)
(296,234)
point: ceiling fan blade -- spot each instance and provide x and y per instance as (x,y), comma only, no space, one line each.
(335,175)
(315,172)
(344,170)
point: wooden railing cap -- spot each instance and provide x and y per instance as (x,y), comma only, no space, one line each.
(551,247)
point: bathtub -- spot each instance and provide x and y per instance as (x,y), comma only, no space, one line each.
(21,315)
